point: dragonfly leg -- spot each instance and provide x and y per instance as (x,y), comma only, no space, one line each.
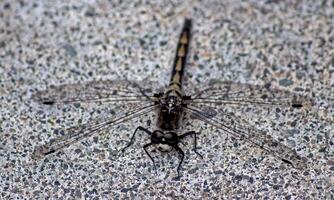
(195,140)
(179,150)
(145,146)
(133,136)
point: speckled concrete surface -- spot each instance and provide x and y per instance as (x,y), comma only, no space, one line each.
(43,43)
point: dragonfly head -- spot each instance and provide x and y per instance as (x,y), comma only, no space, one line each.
(164,141)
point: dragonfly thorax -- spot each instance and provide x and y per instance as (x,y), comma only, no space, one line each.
(170,112)
(172,103)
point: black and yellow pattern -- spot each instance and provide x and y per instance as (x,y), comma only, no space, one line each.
(180,60)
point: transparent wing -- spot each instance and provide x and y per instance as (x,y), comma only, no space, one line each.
(240,128)
(222,93)
(109,91)
(77,133)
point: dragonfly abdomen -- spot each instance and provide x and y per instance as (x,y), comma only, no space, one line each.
(180,60)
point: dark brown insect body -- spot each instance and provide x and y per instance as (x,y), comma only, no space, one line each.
(171,104)
(170,111)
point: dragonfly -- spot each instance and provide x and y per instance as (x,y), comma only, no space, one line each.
(171,105)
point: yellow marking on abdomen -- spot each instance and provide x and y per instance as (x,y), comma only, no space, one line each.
(176,78)
(174,89)
(184,38)
(179,64)
(181,52)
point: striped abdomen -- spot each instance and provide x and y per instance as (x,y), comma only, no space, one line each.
(180,60)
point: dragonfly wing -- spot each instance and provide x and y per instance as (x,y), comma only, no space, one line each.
(239,128)
(219,92)
(109,91)
(77,133)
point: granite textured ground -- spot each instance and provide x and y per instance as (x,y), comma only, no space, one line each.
(289,44)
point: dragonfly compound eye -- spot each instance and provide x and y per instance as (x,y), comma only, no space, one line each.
(171,137)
